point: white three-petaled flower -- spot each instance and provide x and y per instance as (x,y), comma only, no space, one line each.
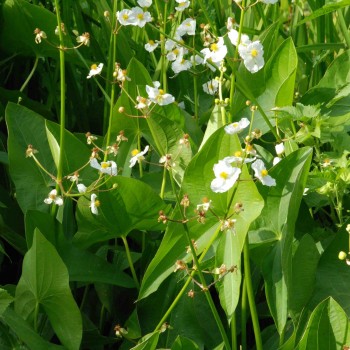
(236,127)
(225,176)
(53,198)
(138,156)
(109,167)
(262,174)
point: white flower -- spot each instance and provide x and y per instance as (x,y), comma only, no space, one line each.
(269,1)
(279,148)
(81,188)
(180,65)
(262,174)
(158,96)
(95,203)
(143,102)
(126,17)
(138,156)
(141,17)
(238,159)
(183,4)
(196,60)
(84,39)
(188,26)
(225,176)
(53,198)
(233,36)
(228,225)
(211,87)
(252,55)
(204,206)
(39,34)
(276,160)
(109,167)
(326,163)
(144,3)
(151,45)
(236,127)
(216,51)
(177,52)
(95,70)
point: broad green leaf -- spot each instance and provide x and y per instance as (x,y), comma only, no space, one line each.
(328,328)
(122,210)
(191,318)
(5,300)
(304,267)
(332,91)
(45,283)
(32,183)
(280,72)
(214,123)
(328,8)
(333,275)
(278,218)
(82,265)
(25,332)
(182,343)
(20,19)
(196,185)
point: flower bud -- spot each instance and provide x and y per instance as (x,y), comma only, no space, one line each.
(342,255)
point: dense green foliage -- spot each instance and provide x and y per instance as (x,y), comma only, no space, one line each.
(153,200)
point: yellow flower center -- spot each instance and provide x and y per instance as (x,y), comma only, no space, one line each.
(94,66)
(224,175)
(238,154)
(97,203)
(176,51)
(135,152)
(183,61)
(125,16)
(161,92)
(105,165)
(254,52)
(249,148)
(214,47)
(140,16)
(52,196)
(235,125)
(151,42)
(181,4)
(264,172)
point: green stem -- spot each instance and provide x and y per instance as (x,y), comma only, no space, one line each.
(110,67)
(86,289)
(30,74)
(343,27)
(222,107)
(244,316)
(108,136)
(235,57)
(250,293)
(102,317)
(164,65)
(139,146)
(199,271)
(131,264)
(282,335)
(183,289)
(162,189)
(234,332)
(63,96)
